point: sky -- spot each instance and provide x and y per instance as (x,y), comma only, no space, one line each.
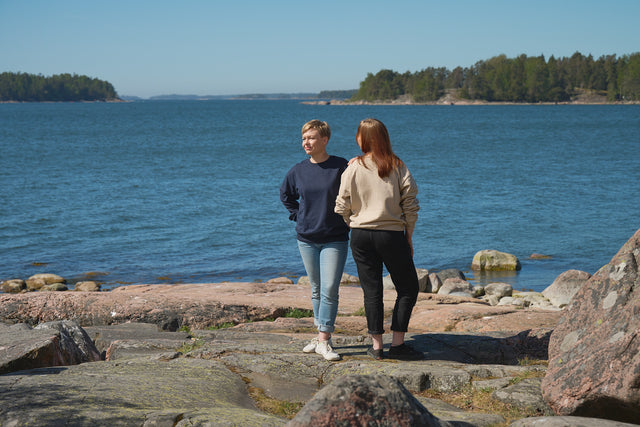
(215,47)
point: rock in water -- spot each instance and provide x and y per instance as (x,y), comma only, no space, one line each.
(492,260)
(48,278)
(371,400)
(594,352)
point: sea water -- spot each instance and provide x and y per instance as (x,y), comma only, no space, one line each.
(188,191)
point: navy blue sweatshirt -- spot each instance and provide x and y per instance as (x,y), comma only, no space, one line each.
(309,193)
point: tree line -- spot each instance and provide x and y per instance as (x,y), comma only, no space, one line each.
(337,94)
(520,79)
(25,87)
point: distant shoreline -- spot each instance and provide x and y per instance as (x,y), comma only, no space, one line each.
(462,103)
(441,102)
(108,101)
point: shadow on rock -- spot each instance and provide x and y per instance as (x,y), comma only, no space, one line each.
(502,348)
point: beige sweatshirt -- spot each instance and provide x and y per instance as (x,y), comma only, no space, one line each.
(367,201)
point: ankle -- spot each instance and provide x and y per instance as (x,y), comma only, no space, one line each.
(324,336)
(377,342)
(397,338)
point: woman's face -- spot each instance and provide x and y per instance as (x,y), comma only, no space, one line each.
(314,144)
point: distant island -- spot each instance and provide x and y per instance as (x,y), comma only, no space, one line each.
(511,80)
(23,87)
(250,96)
(326,95)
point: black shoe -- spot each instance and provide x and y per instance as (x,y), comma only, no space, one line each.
(404,352)
(376,354)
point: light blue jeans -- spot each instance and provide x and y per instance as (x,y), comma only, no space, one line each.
(324,263)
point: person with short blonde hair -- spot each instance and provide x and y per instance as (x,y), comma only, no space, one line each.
(309,191)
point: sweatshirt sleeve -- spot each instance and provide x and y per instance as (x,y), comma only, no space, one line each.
(343,200)
(409,198)
(289,196)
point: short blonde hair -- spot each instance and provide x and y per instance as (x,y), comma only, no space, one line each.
(322,128)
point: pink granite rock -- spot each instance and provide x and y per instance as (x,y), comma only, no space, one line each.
(365,400)
(594,351)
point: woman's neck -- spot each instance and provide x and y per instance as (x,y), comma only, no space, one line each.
(319,158)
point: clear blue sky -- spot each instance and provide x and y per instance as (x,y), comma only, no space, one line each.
(215,47)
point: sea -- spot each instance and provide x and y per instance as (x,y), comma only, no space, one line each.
(188,191)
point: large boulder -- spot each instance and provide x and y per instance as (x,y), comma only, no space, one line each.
(87,286)
(499,290)
(54,287)
(495,292)
(35,284)
(76,345)
(48,278)
(46,282)
(450,273)
(454,286)
(565,287)
(369,400)
(13,286)
(594,352)
(58,343)
(492,260)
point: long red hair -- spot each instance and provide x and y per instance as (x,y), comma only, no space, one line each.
(374,140)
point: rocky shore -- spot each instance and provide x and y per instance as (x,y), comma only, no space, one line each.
(451,97)
(228,354)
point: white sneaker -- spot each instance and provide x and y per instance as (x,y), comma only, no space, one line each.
(324,348)
(311,347)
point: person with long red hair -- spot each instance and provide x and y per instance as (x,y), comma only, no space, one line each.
(378,200)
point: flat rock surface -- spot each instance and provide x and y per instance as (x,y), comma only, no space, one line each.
(209,378)
(204,305)
(132,392)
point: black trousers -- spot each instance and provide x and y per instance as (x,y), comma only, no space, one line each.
(371,249)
